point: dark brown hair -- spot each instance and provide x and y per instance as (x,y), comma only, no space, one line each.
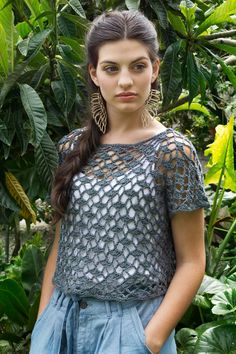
(108,27)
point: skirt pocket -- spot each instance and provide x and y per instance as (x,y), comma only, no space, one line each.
(139,329)
(42,316)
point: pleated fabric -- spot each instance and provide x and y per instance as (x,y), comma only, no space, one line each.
(73,325)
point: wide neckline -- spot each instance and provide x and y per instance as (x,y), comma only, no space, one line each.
(139,142)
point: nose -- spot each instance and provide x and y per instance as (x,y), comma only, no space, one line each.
(125,79)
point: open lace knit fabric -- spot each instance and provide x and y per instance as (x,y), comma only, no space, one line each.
(116,240)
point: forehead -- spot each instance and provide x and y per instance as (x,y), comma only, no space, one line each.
(122,50)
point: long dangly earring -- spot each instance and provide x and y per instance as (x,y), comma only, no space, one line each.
(98,111)
(152,105)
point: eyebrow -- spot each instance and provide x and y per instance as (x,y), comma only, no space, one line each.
(134,61)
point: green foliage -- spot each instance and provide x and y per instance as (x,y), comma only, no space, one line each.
(211,337)
(214,305)
(217,340)
(20,284)
(42,95)
(221,164)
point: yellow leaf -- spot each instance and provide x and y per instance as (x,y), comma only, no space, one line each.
(222,157)
(17,192)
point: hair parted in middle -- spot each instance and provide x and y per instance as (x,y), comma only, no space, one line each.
(108,27)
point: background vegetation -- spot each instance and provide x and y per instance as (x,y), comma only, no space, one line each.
(42,95)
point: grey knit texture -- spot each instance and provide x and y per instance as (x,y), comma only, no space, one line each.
(116,241)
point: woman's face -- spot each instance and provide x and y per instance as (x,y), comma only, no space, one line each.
(124,75)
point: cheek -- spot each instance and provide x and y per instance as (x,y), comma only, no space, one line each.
(106,85)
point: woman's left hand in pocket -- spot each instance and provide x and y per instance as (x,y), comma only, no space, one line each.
(151,343)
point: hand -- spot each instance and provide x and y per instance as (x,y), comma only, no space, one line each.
(151,343)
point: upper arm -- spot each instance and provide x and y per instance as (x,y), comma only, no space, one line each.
(55,245)
(188,236)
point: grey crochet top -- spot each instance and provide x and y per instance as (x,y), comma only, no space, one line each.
(116,240)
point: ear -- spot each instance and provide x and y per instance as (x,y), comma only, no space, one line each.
(93,74)
(155,67)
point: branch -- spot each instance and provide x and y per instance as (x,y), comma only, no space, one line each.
(231,42)
(219,35)
(231,60)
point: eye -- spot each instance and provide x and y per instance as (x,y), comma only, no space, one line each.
(139,67)
(110,68)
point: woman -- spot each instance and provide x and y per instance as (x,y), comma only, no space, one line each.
(128,199)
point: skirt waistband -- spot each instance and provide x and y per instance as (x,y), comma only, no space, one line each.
(90,305)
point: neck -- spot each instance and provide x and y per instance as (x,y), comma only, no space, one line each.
(123,122)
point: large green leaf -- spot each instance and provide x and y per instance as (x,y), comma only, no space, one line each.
(68,54)
(160,10)
(59,93)
(4,133)
(36,41)
(192,76)
(37,77)
(77,7)
(35,110)
(5,199)
(171,73)
(3,52)
(188,9)
(211,286)
(46,159)
(23,29)
(69,85)
(217,340)
(32,267)
(220,14)
(225,47)
(77,48)
(7,21)
(132,4)
(33,313)
(11,81)
(187,338)
(177,23)
(205,326)
(66,26)
(231,75)
(222,156)
(201,301)
(224,302)
(194,106)
(35,9)
(14,301)
(23,131)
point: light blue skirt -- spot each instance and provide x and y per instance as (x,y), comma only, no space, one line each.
(72,325)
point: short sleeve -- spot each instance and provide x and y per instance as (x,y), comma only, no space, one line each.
(183,177)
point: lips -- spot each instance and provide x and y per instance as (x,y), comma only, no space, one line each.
(126,94)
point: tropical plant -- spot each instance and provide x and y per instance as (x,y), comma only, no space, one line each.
(20,284)
(43,95)
(43,86)
(221,173)
(40,77)
(216,302)
(212,315)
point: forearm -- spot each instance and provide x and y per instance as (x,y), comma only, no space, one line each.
(47,285)
(181,291)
